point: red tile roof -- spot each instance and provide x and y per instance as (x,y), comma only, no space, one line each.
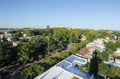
(84,50)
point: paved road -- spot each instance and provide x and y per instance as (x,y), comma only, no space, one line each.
(15,73)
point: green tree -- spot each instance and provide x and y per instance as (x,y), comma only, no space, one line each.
(32,71)
(28,31)
(50,61)
(24,54)
(7,54)
(111,45)
(1,56)
(39,44)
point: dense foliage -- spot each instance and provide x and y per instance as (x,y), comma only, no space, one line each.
(43,43)
(32,71)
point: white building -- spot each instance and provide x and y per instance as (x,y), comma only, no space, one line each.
(66,69)
(113,64)
(83,38)
(7,36)
(97,44)
(1,36)
(107,39)
(118,51)
(24,35)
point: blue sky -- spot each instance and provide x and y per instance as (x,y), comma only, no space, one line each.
(93,14)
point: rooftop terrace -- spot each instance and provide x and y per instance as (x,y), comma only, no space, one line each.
(66,69)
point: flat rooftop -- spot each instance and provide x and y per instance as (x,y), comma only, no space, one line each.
(66,69)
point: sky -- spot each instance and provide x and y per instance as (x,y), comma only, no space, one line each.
(91,14)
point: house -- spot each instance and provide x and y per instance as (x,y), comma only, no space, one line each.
(24,35)
(66,69)
(84,50)
(117,52)
(91,49)
(117,61)
(1,36)
(114,62)
(86,53)
(98,44)
(83,38)
(107,39)
(14,44)
(6,36)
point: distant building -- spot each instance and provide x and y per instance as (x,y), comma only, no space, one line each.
(87,51)
(114,62)
(107,39)
(66,69)
(1,36)
(14,44)
(24,35)
(98,44)
(83,38)
(117,52)
(6,36)
(69,28)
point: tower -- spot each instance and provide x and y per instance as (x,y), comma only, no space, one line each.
(94,64)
